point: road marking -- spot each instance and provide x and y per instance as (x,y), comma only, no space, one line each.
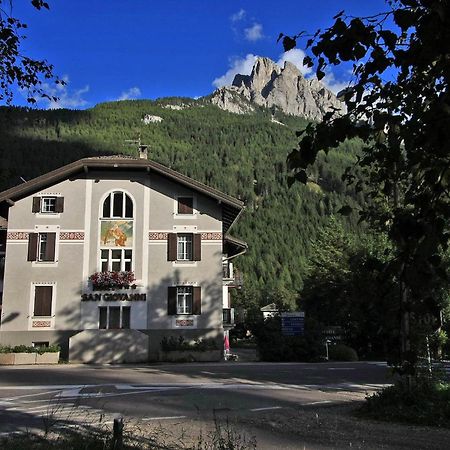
(146,419)
(317,403)
(266,409)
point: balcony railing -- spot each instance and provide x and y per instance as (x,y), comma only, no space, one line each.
(228,316)
(231,276)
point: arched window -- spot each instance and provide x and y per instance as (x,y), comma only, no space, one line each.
(118,205)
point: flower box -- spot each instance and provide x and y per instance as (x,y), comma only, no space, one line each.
(47,358)
(15,359)
(105,281)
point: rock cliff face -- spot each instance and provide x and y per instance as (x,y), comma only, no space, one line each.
(272,86)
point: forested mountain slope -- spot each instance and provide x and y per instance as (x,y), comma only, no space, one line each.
(243,155)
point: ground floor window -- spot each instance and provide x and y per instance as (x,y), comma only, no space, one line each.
(116,260)
(184,300)
(114,317)
(43,301)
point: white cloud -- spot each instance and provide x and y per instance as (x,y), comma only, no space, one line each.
(240,15)
(254,33)
(130,94)
(334,85)
(295,56)
(67,98)
(238,65)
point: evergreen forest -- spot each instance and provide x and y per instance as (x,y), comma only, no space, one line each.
(242,155)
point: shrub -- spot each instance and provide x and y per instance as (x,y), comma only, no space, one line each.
(172,343)
(426,402)
(273,346)
(54,348)
(341,352)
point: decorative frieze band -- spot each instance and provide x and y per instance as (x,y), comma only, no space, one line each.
(162,236)
(157,236)
(211,236)
(17,235)
(71,236)
(41,323)
(63,235)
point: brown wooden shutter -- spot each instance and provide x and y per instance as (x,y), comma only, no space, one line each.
(197,256)
(50,248)
(185,205)
(172,247)
(36,205)
(171,300)
(197,306)
(32,246)
(43,301)
(59,204)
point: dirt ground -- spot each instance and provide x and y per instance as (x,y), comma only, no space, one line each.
(331,427)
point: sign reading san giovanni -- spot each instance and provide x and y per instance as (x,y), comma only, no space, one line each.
(113,297)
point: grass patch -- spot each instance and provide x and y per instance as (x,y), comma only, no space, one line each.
(426,402)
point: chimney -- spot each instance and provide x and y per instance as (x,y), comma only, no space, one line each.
(143,151)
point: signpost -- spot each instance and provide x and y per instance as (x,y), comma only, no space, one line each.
(293,323)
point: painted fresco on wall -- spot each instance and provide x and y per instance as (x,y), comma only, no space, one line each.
(116,233)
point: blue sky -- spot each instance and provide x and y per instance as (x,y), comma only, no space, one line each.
(111,50)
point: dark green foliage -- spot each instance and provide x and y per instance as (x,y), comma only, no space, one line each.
(341,352)
(172,343)
(398,105)
(28,349)
(425,403)
(347,286)
(273,346)
(242,155)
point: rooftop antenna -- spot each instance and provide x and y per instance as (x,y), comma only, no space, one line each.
(142,148)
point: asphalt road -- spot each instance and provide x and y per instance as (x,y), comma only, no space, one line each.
(31,397)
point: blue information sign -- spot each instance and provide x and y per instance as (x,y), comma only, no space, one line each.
(293,323)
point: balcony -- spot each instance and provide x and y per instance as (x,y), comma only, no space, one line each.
(231,276)
(228,317)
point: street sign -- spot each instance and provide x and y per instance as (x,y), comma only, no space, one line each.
(293,323)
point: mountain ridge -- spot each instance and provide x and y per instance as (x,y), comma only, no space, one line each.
(274,87)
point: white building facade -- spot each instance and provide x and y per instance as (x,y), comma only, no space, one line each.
(108,256)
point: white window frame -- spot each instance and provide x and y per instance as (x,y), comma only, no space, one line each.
(41,247)
(185,247)
(185,300)
(109,260)
(108,307)
(47,201)
(111,196)
(32,317)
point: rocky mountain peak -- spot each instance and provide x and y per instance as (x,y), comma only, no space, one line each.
(286,88)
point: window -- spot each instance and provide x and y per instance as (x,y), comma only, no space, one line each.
(184,247)
(118,205)
(114,317)
(116,260)
(48,205)
(41,344)
(41,247)
(43,301)
(184,300)
(185,205)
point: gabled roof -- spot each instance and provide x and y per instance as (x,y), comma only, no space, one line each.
(231,206)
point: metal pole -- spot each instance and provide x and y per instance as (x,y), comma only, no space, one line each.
(117,443)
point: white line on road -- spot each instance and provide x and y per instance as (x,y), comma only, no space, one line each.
(317,403)
(146,419)
(266,409)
